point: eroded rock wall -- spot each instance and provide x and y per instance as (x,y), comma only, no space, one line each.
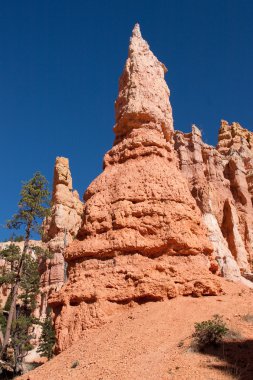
(220,180)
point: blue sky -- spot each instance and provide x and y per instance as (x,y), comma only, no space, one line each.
(59,67)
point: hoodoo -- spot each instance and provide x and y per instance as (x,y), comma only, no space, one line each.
(143,236)
(59,229)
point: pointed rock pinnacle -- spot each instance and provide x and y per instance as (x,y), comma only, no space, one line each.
(143,99)
(136,31)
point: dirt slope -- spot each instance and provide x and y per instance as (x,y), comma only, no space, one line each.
(151,341)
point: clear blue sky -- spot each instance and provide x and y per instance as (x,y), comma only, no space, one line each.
(60,61)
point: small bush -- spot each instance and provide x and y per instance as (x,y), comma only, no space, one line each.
(209,332)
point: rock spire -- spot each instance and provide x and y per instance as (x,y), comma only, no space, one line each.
(142,237)
(59,229)
(143,99)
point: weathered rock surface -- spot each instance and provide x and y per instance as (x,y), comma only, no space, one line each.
(96,289)
(142,235)
(220,180)
(143,93)
(59,229)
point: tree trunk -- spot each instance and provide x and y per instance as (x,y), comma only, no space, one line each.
(12,312)
(1,337)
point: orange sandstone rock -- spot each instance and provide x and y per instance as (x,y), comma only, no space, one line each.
(221,182)
(59,229)
(142,236)
(143,93)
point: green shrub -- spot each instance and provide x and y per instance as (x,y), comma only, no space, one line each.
(209,332)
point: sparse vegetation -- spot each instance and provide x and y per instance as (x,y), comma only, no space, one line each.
(15,238)
(209,332)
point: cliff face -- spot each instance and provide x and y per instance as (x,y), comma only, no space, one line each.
(142,236)
(220,180)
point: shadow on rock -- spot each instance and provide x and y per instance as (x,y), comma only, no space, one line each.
(237,357)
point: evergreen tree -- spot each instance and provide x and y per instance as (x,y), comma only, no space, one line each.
(23,320)
(24,277)
(47,339)
(11,255)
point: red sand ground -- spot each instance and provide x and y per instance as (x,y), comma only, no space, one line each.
(152,341)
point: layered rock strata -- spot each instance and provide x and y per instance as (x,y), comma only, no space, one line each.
(142,236)
(220,180)
(59,230)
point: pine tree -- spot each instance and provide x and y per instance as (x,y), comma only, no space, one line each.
(33,206)
(11,255)
(47,339)
(23,320)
